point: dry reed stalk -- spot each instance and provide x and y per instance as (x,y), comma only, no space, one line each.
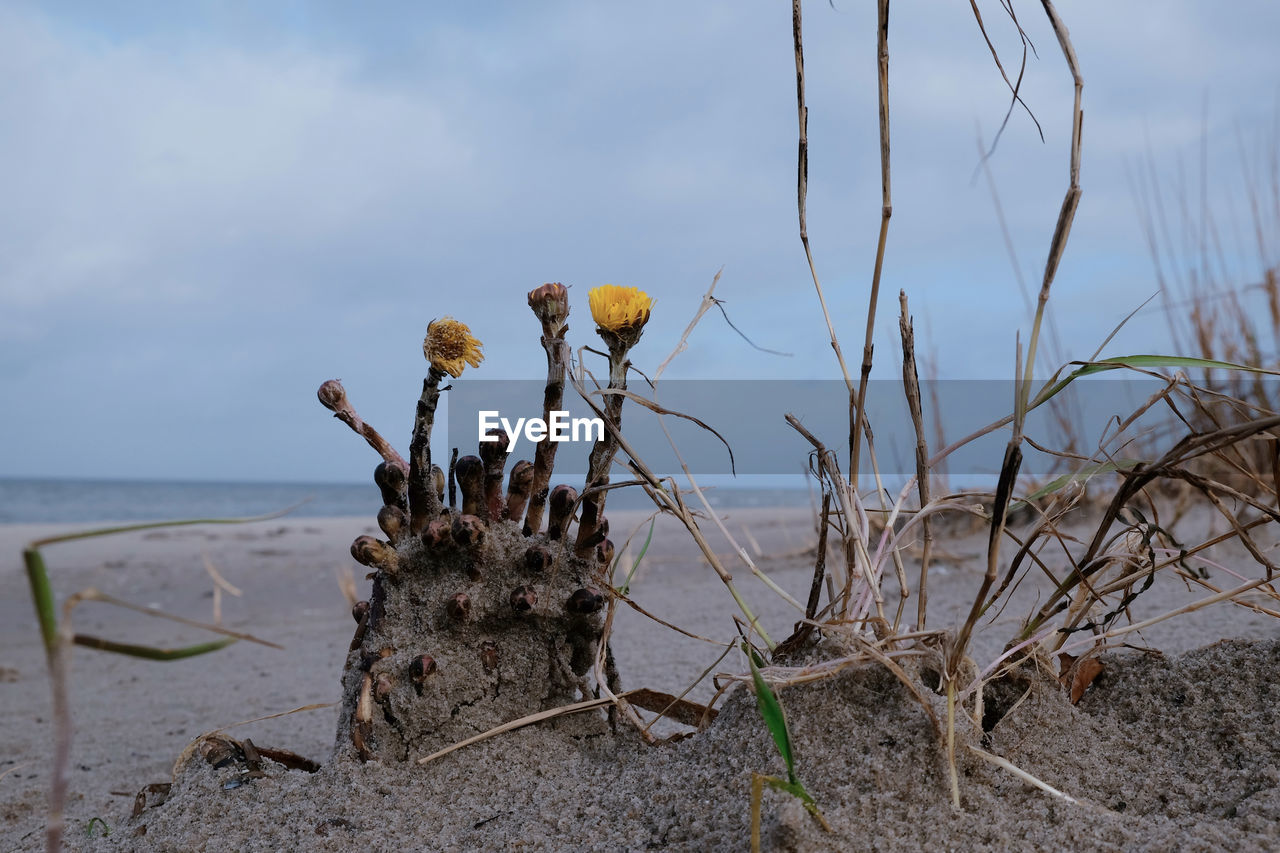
(1190,448)
(802,188)
(1006,764)
(911,385)
(1057,246)
(886,211)
(803,629)
(857,558)
(530,719)
(220,584)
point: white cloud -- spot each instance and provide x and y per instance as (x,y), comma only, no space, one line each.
(136,164)
(254,207)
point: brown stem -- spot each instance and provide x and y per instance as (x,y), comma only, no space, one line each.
(493,453)
(545,456)
(424,505)
(886,211)
(591,513)
(453,482)
(802,191)
(911,384)
(334,398)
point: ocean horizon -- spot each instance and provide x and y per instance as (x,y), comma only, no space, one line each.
(56,501)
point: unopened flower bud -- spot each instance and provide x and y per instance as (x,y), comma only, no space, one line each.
(585,601)
(467,530)
(469,473)
(458,608)
(382,687)
(604,552)
(420,670)
(523,599)
(561,510)
(421,667)
(359,610)
(394,522)
(392,481)
(518,489)
(550,303)
(438,533)
(598,535)
(537,559)
(375,554)
(332,395)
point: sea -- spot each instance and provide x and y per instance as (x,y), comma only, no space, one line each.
(38,501)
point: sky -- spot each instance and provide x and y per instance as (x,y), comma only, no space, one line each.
(211,208)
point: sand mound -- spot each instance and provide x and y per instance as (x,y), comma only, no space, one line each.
(1169,753)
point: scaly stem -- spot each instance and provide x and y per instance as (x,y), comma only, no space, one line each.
(605,449)
(544,456)
(424,503)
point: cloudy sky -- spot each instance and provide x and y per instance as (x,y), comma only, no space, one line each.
(211,207)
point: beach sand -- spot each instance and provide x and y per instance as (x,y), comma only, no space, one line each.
(1165,751)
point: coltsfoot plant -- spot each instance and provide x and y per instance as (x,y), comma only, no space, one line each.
(478,614)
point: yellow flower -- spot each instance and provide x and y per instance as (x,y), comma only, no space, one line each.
(450,347)
(617,308)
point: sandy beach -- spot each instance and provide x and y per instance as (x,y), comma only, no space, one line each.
(1164,751)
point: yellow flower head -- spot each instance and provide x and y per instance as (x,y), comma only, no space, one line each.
(617,309)
(450,347)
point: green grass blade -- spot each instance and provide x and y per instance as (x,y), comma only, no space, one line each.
(626,584)
(794,788)
(1140,361)
(1083,474)
(771,710)
(42,598)
(153,525)
(151,652)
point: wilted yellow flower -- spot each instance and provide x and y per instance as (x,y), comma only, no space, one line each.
(617,308)
(450,347)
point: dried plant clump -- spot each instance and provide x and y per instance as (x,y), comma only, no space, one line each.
(476,616)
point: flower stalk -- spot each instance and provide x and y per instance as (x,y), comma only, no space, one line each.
(334,398)
(550,303)
(449,347)
(421,506)
(620,314)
